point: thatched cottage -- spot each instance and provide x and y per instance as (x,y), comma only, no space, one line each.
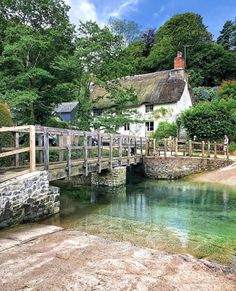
(165,89)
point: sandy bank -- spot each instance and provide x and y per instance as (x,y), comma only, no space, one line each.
(225,176)
(71,260)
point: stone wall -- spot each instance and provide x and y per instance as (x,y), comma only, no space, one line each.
(175,168)
(27,198)
(114,178)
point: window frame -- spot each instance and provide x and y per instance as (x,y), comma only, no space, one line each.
(149,108)
(126,126)
(149,125)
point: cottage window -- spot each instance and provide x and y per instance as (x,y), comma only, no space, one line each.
(126,127)
(150,126)
(149,108)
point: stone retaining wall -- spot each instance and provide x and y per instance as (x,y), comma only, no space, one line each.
(27,198)
(114,178)
(175,168)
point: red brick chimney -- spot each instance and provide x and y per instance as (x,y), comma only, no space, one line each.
(179,62)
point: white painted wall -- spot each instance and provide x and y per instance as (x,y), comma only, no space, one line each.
(139,129)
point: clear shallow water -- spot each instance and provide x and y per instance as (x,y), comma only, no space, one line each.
(177,217)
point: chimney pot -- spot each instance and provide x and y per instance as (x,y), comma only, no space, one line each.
(179,62)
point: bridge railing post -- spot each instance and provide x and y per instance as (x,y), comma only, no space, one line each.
(111,150)
(120,151)
(32,149)
(46,149)
(215,150)
(99,152)
(190,148)
(176,147)
(61,145)
(209,149)
(68,152)
(203,149)
(141,146)
(17,147)
(165,148)
(85,154)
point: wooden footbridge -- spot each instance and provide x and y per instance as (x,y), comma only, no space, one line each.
(69,152)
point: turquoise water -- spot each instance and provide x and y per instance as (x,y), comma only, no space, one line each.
(178,217)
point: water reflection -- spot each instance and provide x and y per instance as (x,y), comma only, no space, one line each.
(173,216)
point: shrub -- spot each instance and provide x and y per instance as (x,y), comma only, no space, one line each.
(211,120)
(232,147)
(227,90)
(165,129)
(6,139)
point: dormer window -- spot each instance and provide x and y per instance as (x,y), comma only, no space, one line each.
(149,108)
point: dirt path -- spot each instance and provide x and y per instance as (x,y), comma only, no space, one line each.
(225,176)
(71,260)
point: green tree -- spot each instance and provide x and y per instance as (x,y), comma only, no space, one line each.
(227,36)
(165,130)
(211,120)
(103,62)
(28,79)
(101,52)
(118,113)
(180,30)
(130,30)
(35,13)
(213,64)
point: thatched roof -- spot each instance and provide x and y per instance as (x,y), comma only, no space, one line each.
(156,88)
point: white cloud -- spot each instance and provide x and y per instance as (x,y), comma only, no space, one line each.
(101,11)
(124,7)
(83,10)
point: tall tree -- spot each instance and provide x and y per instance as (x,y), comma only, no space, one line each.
(180,30)
(227,36)
(103,61)
(33,41)
(130,30)
(36,13)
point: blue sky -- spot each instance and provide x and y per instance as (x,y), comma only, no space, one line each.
(153,13)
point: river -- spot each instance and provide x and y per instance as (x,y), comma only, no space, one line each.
(177,217)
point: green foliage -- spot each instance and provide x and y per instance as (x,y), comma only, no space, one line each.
(227,36)
(232,147)
(208,63)
(118,115)
(36,13)
(211,120)
(6,139)
(165,130)
(227,90)
(212,63)
(162,112)
(29,78)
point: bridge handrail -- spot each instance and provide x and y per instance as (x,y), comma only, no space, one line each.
(68,142)
(188,148)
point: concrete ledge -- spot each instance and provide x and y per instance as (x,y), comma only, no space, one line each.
(24,233)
